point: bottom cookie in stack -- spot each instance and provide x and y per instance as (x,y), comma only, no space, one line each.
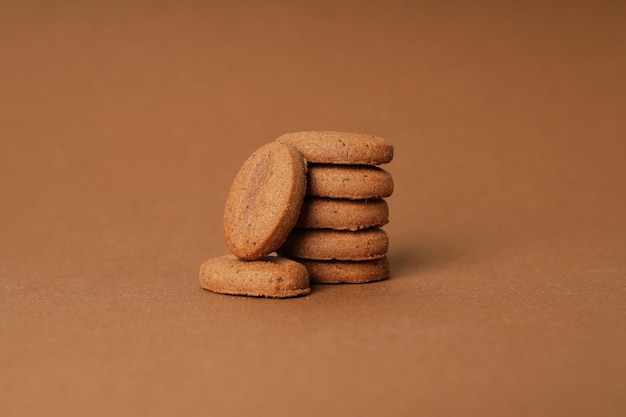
(346,272)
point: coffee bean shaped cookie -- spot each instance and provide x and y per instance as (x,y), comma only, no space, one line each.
(264,201)
(271,276)
(348,181)
(340,148)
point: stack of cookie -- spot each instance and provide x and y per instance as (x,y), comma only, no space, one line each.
(338,235)
(314,197)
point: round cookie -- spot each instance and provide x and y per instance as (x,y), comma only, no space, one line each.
(339,214)
(340,148)
(348,181)
(347,272)
(272,277)
(264,201)
(326,244)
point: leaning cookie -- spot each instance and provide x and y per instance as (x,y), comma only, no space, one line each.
(347,272)
(264,201)
(272,277)
(340,148)
(348,181)
(339,214)
(325,244)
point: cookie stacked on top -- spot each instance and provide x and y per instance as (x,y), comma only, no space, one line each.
(315,197)
(338,235)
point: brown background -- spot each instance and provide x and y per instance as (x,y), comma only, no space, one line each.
(122,125)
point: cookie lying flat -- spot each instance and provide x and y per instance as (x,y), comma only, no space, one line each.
(339,214)
(340,148)
(348,181)
(346,272)
(326,244)
(264,201)
(272,277)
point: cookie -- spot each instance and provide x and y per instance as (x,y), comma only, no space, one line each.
(347,272)
(272,277)
(339,214)
(340,148)
(264,201)
(348,181)
(326,244)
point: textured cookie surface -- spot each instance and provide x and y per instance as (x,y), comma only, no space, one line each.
(340,214)
(271,276)
(348,181)
(340,148)
(264,201)
(347,272)
(326,244)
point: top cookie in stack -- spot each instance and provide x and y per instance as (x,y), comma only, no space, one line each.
(338,235)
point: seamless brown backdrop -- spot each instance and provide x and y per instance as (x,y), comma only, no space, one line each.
(123,123)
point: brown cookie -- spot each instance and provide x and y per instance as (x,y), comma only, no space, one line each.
(264,201)
(347,272)
(326,244)
(340,148)
(339,214)
(348,181)
(272,277)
